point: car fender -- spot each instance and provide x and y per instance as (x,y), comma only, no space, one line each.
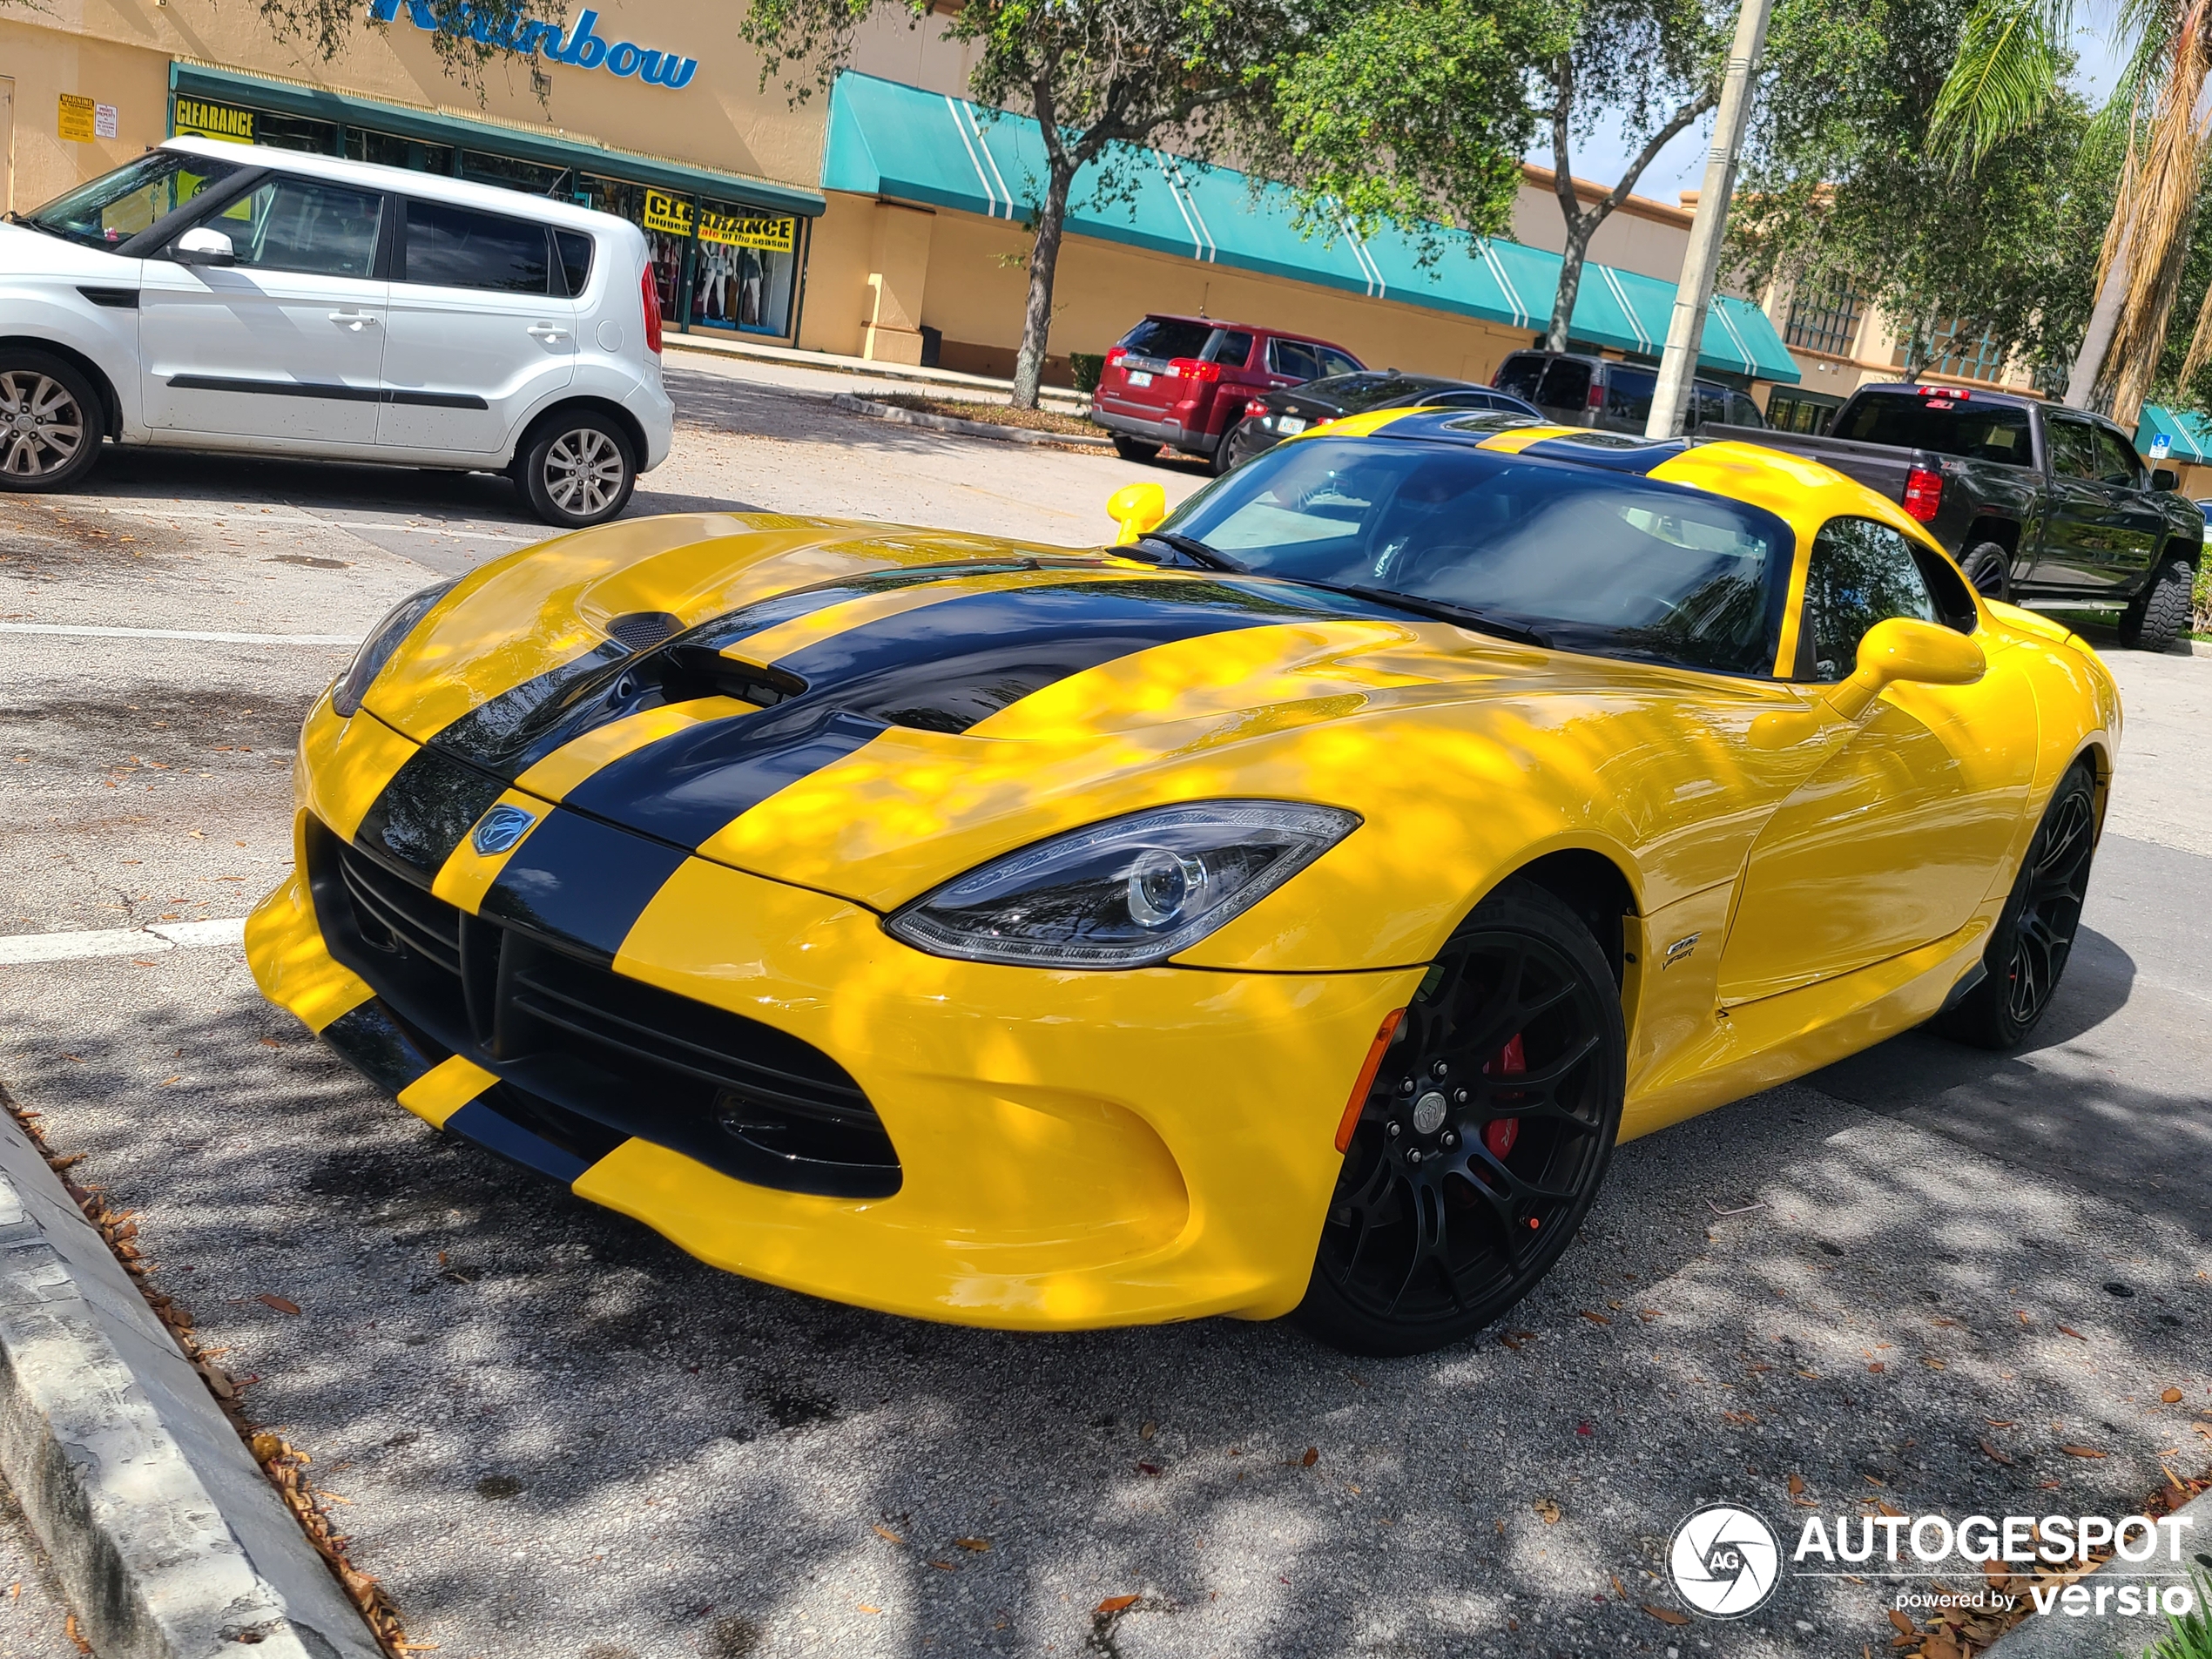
(103,338)
(593,383)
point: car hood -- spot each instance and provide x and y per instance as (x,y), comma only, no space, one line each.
(24,251)
(870,712)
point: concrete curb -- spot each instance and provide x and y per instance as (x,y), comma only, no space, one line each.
(852,405)
(167,1537)
(2056,1635)
(867,368)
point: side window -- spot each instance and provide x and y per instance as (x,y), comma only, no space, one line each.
(1231,349)
(1335,362)
(1565,384)
(1743,412)
(302,225)
(461,247)
(1289,357)
(1520,374)
(1861,573)
(2117,462)
(575,247)
(2073,448)
(1629,393)
(1710,403)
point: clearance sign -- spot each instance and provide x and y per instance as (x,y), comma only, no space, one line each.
(213,121)
(671,216)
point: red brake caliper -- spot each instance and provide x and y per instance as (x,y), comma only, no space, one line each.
(1500,1133)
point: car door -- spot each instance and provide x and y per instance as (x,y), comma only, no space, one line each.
(2085,542)
(2134,527)
(1899,834)
(481,329)
(288,342)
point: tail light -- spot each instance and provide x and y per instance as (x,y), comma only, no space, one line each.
(1254,409)
(1922,493)
(1191,369)
(1114,357)
(1596,399)
(649,290)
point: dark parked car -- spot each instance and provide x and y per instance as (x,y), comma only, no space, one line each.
(2049,508)
(1267,420)
(1182,382)
(1576,389)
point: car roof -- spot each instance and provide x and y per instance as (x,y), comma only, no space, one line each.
(374,175)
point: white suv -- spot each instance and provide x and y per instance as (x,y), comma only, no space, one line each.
(221,296)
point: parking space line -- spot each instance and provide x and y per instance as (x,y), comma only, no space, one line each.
(121,941)
(88,631)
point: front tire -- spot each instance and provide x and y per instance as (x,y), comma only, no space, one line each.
(2027,952)
(1135,449)
(50,422)
(577,470)
(1484,1139)
(2156,619)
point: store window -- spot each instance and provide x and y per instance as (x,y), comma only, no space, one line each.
(390,150)
(1956,354)
(665,219)
(745,269)
(511,173)
(1825,319)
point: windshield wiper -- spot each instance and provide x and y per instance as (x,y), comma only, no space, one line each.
(1192,548)
(1436,609)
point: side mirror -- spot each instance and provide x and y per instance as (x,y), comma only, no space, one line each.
(200,246)
(1138,509)
(1905,650)
(2165,478)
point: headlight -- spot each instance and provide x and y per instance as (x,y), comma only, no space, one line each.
(1125,894)
(376,651)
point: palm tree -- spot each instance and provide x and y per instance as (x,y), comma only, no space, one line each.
(2010,58)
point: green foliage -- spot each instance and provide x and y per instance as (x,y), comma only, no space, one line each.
(2011,58)
(2188,1635)
(1084,367)
(1848,185)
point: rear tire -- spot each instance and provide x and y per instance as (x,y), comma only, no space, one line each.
(1988,567)
(1135,449)
(2156,618)
(2027,952)
(1503,1084)
(576,470)
(50,421)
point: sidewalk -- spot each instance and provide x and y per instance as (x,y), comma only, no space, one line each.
(1057,396)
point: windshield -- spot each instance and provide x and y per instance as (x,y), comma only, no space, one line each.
(117,206)
(1947,426)
(1594,560)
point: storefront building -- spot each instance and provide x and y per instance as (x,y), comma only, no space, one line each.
(660,120)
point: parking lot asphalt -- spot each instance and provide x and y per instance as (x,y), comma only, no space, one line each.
(551,1434)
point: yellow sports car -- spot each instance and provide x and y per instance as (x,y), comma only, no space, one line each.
(1288,909)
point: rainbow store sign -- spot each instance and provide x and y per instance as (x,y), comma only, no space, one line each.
(581,49)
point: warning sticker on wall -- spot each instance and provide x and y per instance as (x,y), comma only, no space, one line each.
(77,118)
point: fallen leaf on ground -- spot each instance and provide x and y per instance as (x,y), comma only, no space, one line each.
(1547,1509)
(885,1532)
(945,1566)
(1148,1431)
(1877,1365)
(977,1544)
(2075,1334)
(2080,1451)
(1618,1592)
(1595,1319)
(1509,1342)
(2001,1422)
(1931,1363)
(281,1304)
(1147,1469)
(1797,1485)
(1312,1456)
(1884,1509)
(1993,1454)
(1112,1605)
(1740,1418)
(1905,1626)
(1647,1314)
(1666,1615)
(1813,1376)
(2172,1397)
(271,1042)
(865,1607)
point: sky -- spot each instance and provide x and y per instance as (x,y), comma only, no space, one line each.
(1681,166)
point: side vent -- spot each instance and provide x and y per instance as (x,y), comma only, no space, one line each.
(642,630)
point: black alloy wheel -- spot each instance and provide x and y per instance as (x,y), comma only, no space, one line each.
(2027,952)
(1988,567)
(1484,1139)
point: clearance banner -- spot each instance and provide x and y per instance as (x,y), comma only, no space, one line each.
(671,216)
(213,121)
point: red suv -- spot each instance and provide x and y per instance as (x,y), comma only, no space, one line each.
(1183,381)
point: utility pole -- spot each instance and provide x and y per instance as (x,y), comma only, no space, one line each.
(1701,264)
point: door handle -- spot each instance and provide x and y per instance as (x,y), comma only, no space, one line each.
(356,320)
(546,331)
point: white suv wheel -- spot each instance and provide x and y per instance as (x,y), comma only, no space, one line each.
(42,424)
(577,470)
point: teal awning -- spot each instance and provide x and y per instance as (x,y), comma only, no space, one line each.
(2188,433)
(547,145)
(902,142)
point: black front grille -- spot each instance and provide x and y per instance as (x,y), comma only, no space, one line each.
(588,1056)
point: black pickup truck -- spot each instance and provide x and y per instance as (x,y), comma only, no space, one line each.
(2048,508)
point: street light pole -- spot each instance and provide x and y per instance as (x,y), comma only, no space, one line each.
(1701,264)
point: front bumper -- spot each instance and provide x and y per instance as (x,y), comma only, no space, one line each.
(1073,1149)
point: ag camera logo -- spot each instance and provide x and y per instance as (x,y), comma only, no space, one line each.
(1725,1562)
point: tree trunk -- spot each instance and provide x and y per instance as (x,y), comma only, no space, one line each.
(1580,229)
(1044,260)
(2104,322)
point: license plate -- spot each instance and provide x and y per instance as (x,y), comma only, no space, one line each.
(1290,424)
(1137,377)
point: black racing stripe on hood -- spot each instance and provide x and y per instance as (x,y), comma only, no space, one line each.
(942,668)
(521,726)
(580,881)
(430,804)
